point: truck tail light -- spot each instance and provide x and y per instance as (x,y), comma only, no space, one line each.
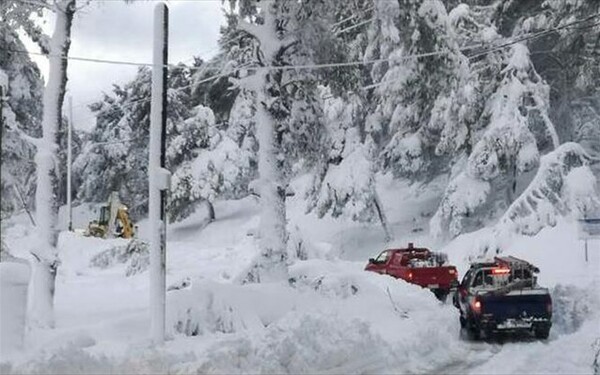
(500,271)
(476,306)
(410,275)
(451,271)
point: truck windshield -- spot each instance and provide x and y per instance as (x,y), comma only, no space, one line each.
(383,257)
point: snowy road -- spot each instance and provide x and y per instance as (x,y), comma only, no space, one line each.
(335,319)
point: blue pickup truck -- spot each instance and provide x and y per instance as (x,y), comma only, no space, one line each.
(502,295)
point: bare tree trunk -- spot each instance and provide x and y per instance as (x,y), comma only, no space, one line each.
(211,210)
(382,217)
(46,263)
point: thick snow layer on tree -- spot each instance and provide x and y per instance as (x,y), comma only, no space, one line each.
(564,185)
(463,196)
(3,81)
(457,13)
(348,187)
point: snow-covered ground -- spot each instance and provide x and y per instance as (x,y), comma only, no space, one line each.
(331,317)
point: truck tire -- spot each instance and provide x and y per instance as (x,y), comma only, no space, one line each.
(473,329)
(455,300)
(440,294)
(541,333)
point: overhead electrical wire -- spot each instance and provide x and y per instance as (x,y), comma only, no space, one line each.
(324,65)
(519,39)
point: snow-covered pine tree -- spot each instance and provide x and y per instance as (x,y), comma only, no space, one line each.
(213,153)
(21,111)
(115,156)
(344,178)
(564,185)
(213,165)
(518,130)
(568,61)
(418,117)
(110,158)
(286,112)
(344,183)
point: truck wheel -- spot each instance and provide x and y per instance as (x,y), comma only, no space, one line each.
(473,329)
(542,333)
(440,294)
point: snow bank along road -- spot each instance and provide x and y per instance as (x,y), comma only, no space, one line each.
(331,317)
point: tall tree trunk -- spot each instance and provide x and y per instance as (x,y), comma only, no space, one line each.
(273,256)
(46,256)
(271,265)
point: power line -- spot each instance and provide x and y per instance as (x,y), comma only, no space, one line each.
(368,87)
(316,66)
(537,35)
(519,39)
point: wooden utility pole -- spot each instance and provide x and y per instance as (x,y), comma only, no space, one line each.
(159,177)
(69,163)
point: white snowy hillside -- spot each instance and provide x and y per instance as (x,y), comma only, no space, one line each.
(217,211)
(329,316)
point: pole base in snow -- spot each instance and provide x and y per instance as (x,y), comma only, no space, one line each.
(14,280)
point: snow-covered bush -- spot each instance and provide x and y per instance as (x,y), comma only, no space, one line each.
(207,308)
(572,306)
(135,254)
(301,247)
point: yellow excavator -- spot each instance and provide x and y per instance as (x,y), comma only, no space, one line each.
(113,220)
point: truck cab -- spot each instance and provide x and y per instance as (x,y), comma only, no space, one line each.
(502,295)
(418,266)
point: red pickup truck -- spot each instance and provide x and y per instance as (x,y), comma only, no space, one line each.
(418,266)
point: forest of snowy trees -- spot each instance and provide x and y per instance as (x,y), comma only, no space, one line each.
(480,96)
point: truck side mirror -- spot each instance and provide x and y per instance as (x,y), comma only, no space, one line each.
(371,260)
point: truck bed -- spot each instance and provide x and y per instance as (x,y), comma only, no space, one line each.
(433,277)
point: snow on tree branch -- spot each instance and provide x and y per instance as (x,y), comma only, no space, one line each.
(564,185)
(12,125)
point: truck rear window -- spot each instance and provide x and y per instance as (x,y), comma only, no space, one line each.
(487,278)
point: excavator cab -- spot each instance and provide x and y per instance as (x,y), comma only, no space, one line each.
(104,216)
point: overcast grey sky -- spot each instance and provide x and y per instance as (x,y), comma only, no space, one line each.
(113,30)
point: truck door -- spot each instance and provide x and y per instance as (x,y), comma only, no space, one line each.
(395,265)
(380,263)
(463,289)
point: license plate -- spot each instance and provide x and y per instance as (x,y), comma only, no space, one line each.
(510,324)
(433,286)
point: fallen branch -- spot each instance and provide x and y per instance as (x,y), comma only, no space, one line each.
(403,314)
